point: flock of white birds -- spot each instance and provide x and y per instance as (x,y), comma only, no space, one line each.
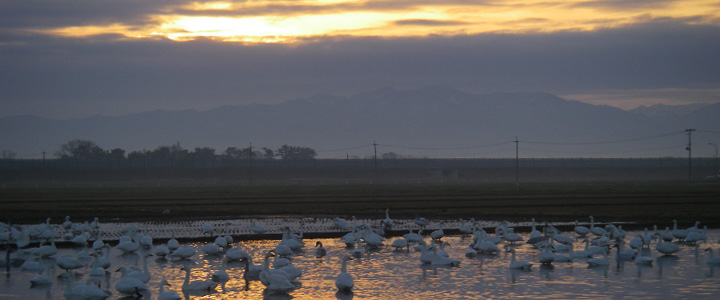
(26,246)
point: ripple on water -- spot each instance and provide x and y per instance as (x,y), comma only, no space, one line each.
(386,273)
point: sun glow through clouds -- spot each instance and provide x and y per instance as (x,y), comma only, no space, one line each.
(288,21)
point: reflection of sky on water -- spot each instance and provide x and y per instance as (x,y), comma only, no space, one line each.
(388,273)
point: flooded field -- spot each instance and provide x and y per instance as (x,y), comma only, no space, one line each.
(384,272)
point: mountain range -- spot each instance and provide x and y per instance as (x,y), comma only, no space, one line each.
(431,122)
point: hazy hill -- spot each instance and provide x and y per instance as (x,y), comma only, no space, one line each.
(427,122)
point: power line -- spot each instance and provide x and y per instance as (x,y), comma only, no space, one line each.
(706,131)
(606,142)
(447,148)
(644,150)
(346,149)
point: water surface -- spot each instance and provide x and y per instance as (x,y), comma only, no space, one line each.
(386,273)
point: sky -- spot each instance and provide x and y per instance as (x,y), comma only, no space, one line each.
(77,58)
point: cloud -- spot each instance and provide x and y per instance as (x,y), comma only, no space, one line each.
(50,13)
(421,22)
(110,74)
(625,4)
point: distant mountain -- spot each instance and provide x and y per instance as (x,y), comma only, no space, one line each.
(431,122)
(660,110)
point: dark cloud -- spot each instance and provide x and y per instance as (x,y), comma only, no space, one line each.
(53,76)
(51,13)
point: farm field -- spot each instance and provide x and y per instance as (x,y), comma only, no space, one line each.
(641,202)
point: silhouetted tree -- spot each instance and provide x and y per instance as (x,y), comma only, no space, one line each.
(206,153)
(136,155)
(161,152)
(80,149)
(174,152)
(234,153)
(7,154)
(115,154)
(390,155)
(268,153)
(177,152)
(296,152)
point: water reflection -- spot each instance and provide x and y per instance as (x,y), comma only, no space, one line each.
(387,273)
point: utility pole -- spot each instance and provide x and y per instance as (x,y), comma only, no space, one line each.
(43,161)
(251,163)
(716,171)
(517,162)
(375,159)
(689,149)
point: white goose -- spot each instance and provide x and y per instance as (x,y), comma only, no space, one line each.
(128,246)
(344,281)
(712,260)
(161,251)
(518,264)
(198,285)
(598,231)
(183,252)
(130,286)
(400,243)
(167,295)
(387,221)
(696,236)
(221,276)
(212,248)
(275,281)
(68,263)
(667,248)
(173,243)
(259,229)
(464,228)
(546,256)
(143,275)
(582,253)
(643,260)
(581,230)
(679,234)
(422,222)
(207,228)
(342,223)
(439,260)
(599,261)
(413,237)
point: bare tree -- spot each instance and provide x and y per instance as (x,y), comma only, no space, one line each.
(80,149)
(8,154)
(296,152)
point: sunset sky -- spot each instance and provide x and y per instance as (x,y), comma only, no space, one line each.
(68,59)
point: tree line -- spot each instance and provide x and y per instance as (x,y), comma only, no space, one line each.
(87,149)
